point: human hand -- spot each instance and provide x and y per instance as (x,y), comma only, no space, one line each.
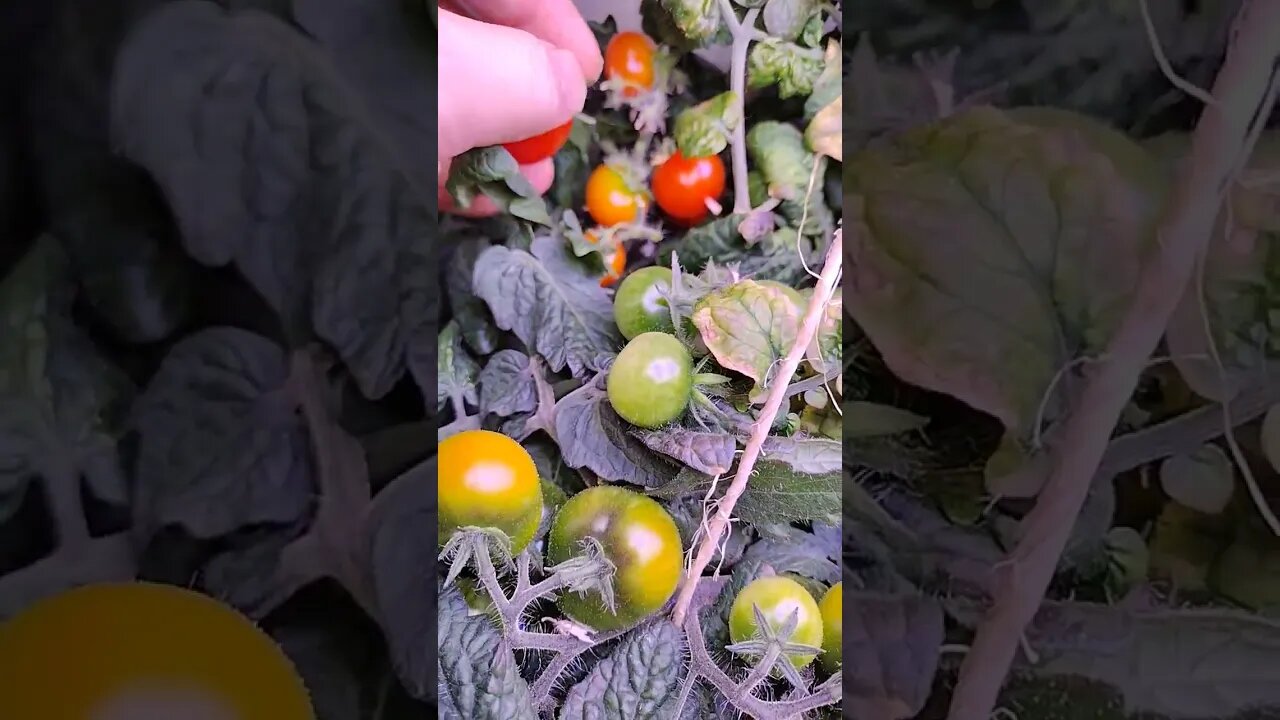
(508,70)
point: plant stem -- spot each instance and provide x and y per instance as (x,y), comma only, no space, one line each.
(62,489)
(743,33)
(1219,145)
(760,431)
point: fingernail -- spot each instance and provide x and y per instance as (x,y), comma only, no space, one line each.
(572,89)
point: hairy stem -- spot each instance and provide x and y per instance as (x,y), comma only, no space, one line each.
(743,33)
(1220,142)
(764,422)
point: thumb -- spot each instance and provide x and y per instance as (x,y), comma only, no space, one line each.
(498,85)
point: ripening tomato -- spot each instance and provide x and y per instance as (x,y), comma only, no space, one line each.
(486,479)
(641,305)
(615,262)
(629,58)
(639,538)
(682,186)
(832,609)
(143,651)
(540,147)
(610,200)
(777,597)
(651,381)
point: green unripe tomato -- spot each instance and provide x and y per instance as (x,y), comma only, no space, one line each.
(832,609)
(640,305)
(651,380)
(777,597)
(638,536)
(486,479)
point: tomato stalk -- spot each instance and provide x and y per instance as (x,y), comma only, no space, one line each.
(743,33)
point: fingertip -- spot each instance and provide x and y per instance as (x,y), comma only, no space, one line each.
(540,174)
(568,75)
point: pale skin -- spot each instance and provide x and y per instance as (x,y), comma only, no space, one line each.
(509,70)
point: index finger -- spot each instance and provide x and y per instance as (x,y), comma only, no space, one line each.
(555,21)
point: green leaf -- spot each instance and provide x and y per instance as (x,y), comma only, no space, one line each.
(792,68)
(469,311)
(639,677)
(1202,480)
(698,20)
(704,129)
(220,444)
(866,419)
(478,676)
(402,555)
(1248,571)
(828,87)
(777,150)
(748,327)
(778,494)
(1058,225)
(247,573)
(492,172)
(593,436)
(556,308)
(707,452)
(455,370)
(787,18)
(894,641)
(507,386)
(298,187)
(804,454)
(62,404)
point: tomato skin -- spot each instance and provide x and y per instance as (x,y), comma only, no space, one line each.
(629,57)
(651,380)
(777,597)
(639,306)
(540,147)
(486,479)
(108,649)
(609,200)
(641,540)
(832,609)
(681,186)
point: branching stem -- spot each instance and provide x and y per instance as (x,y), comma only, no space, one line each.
(743,33)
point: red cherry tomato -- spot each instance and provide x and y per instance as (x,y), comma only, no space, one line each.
(540,147)
(629,57)
(682,186)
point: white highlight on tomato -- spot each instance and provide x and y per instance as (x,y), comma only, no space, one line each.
(600,524)
(154,702)
(783,610)
(662,370)
(643,543)
(489,477)
(653,301)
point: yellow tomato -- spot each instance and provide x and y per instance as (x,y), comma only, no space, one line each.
(486,479)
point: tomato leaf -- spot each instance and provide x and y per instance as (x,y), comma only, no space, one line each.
(639,677)
(220,446)
(270,162)
(455,370)
(479,677)
(247,574)
(828,87)
(1035,196)
(592,436)
(62,403)
(507,386)
(894,641)
(792,68)
(778,151)
(707,452)
(779,494)
(400,531)
(698,20)
(748,327)
(469,311)
(554,306)
(703,129)
(786,18)
(805,454)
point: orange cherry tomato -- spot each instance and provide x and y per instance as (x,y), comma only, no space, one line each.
(609,200)
(540,147)
(629,57)
(682,186)
(615,263)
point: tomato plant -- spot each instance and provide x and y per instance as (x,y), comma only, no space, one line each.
(778,599)
(541,146)
(641,304)
(683,186)
(639,538)
(486,479)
